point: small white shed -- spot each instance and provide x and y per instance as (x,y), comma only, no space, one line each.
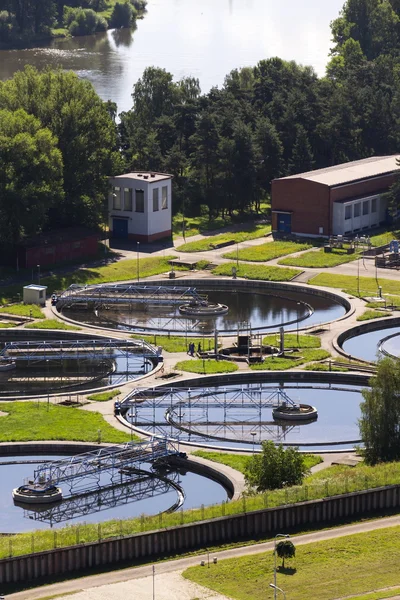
(35,294)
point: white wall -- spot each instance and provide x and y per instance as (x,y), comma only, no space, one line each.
(342,226)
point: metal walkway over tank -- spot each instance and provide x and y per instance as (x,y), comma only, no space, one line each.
(82,349)
(106,295)
(112,459)
(141,486)
(215,413)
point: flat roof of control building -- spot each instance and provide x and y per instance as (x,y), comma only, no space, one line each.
(144,176)
(356,170)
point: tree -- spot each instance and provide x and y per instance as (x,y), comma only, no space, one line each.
(275,468)
(70,108)
(302,155)
(380,414)
(285,549)
(30,175)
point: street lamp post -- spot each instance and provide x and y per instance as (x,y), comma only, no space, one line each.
(298,316)
(253,434)
(137,259)
(237,255)
(277,588)
(38,267)
(278,535)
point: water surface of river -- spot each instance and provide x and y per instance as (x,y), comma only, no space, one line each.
(204,39)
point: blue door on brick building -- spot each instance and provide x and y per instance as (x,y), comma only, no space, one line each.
(284,222)
(120,228)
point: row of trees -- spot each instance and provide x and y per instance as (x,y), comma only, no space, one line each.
(27,19)
(275,119)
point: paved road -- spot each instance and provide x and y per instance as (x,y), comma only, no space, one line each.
(83,583)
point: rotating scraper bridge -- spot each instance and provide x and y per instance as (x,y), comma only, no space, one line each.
(104,296)
(129,481)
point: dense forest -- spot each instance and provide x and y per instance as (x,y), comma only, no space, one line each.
(27,20)
(59,141)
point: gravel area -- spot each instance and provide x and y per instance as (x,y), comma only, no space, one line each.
(168,586)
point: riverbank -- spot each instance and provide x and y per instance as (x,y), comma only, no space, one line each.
(63,33)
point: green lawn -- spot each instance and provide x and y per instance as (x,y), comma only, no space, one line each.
(207,366)
(385,237)
(325,367)
(104,396)
(122,270)
(28,421)
(196,225)
(23,310)
(392,302)
(175,343)
(326,570)
(319,259)
(239,461)
(51,324)
(7,325)
(263,272)
(250,233)
(277,363)
(348,283)
(293,341)
(267,251)
(373,314)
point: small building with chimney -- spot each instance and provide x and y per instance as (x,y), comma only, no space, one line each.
(140,206)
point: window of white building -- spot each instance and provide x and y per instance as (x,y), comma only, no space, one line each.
(373,205)
(164,197)
(347,212)
(366,207)
(128,199)
(356,210)
(117,198)
(139,198)
(155,200)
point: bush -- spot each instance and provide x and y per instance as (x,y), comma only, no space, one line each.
(83,21)
(123,15)
(275,468)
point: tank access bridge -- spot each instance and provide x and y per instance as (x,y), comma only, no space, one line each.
(119,461)
(107,295)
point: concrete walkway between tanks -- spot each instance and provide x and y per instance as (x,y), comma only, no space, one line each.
(109,585)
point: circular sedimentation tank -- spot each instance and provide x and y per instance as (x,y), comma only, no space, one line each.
(235,411)
(260,304)
(371,340)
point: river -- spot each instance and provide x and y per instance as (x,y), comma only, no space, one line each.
(204,39)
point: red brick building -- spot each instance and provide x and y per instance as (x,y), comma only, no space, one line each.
(338,200)
(57,246)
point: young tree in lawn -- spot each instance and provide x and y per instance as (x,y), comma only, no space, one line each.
(285,549)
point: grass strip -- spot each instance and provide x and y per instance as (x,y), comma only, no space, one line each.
(260,272)
(51,324)
(209,242)
(373,314)
(368,285)
(290,361)
(123,270)
(207,366)
(104,396)
(325,367)
(314,488)
(268,251)
(293,341)
(320,259)
(23,310)
(239,461)
(326,570)
(30,421)
(176,343)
